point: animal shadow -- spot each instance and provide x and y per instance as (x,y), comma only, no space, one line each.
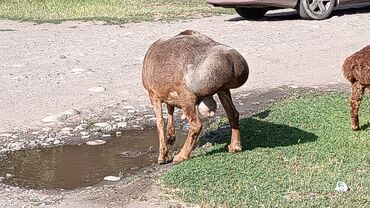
(258,133)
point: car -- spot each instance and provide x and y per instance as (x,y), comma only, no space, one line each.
(307,9)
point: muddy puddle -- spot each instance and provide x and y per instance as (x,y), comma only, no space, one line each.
(72,166)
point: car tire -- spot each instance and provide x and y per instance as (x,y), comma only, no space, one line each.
(315,9)
(251,13)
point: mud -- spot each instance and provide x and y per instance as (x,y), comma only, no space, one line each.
(72,166)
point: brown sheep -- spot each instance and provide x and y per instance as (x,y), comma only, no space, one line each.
(183,70)
(356,69)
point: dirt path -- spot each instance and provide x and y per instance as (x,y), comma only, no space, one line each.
(49,68)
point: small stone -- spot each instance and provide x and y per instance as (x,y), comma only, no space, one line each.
(96,89)
(42,137)
(85,137)
(112,178)
(128,107)
(341,186)
(5,135)
(293,86)
(84,133)
(54,118)
(67,129)
(106,136)
(118,133)
(56,142)
(46,129)
(44,144)
(77,70)
(50,139)
(8,175)
(96,142)
(35,133)
(122,124)
(71,112)
(79,128)
(101,125)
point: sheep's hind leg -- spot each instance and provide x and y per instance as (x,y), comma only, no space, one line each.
(171,133)
(163,149)
(355,100)
(195,126)
(233,116)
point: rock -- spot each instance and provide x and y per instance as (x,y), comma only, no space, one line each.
(8,175)
(50,139)
(42,137)
(79,127)
(85,137)
(56,142)
(293,86)
(112,178)
(96,89)
(341,186)
(106,136)
(67,129)
(71,112)
(77,70)
(101,125)
(54,118)
(46,129)
(5,135)
(96,142)
(118,133)
(84,133)
(128,107)
(35,133)
(122,124)
(45,144)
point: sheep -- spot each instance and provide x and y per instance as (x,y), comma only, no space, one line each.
(185,71)
(356,69)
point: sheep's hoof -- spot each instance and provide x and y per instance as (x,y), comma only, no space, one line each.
(170,140)
(355,128)
(179,159)
(235,148)
(162,161)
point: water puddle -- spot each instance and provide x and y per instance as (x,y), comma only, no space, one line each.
(73,166)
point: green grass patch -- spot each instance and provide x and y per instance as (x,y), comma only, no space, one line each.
(294,154)
(112,11)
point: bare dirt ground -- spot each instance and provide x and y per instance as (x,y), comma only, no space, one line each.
(49,68)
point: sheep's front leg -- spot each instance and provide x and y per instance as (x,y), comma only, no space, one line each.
(195,126)
(171,133)
(356,96)
(163,149)
(233,116)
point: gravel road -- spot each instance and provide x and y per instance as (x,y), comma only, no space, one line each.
(49,68)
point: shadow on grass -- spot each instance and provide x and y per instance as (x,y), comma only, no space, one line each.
(257,133)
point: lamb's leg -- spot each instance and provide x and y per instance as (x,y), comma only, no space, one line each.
(195,126)
(233,116)
(357,92)
(171,134)
(163,149)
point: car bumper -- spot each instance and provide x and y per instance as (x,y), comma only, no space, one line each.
(254,3)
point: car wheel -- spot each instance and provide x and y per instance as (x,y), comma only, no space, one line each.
(251,13)
(315,9)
